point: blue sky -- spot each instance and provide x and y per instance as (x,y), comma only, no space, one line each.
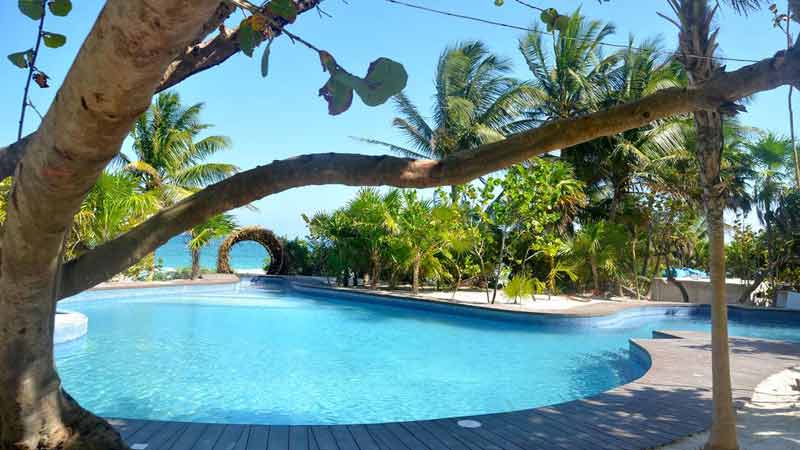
(282,116)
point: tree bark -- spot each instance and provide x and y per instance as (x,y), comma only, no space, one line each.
(415,273)
(697,39)
(195,263)
(595,275)
(83,129)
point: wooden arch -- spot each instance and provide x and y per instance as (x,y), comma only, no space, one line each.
(257,234)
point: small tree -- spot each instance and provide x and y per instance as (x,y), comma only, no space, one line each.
(216,227)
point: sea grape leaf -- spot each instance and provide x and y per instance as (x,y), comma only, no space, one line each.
(385,78)
(283,8)
(265,60)
(60,7)
(21,59)
(54,40)
(32,8)
(338,95)
(247,37)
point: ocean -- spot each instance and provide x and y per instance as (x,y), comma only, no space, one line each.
(245,256)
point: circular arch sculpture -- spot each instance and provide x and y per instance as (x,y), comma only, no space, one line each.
(257,234)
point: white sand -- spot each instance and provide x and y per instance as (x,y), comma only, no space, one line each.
(770,421)
(474,296)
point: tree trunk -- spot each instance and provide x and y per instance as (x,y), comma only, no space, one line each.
(595,275)
(723,428)
(709,150)
(376,269)
(678,284)
(499,267)
(415,274)
(195,263)
(35,412)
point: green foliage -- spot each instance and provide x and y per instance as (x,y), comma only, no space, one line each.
(60,7)
(53,40)
(522,285)
(21,59)
(285,9)
(32,8)
(247,36)
(475,99)
(265,59)
(169,158)
(384,79)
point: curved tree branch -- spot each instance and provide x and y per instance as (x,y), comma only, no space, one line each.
(112,257)
(197,57)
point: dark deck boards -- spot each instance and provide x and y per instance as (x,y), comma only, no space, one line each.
(672,400)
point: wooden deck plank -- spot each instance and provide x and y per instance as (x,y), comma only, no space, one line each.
(324,438)
(430,439)
(278,438)
(362,437)
(408,439)
(468,435)
(166,436)
(189,437)
(448,436)
(344,440)
(257,439)
(385,439)
(126,427)
(209,437)
(530,437)
(144,434)
(230,437)
(298,438)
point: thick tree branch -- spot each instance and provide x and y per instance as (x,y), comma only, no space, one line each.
(206,55)
(360,170)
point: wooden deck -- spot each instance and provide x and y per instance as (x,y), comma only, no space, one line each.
(671,401)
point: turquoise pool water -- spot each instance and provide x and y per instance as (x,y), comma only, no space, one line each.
(243,354)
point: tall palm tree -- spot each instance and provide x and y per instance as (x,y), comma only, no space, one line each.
(169,156)
(216,227)
(475,101)
(568,77)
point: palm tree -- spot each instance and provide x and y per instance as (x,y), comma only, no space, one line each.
(475,102)
(115,204)
(372,218)
(599,243)
(424,229)
(568,76)
(216,227)
(169,158)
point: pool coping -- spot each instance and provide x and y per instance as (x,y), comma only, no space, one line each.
(670,401)
(216,279)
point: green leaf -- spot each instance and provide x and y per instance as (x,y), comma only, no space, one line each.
(21,59)
(54,40)
(498,2)
(384,79)
(247,38)
(561,23)
(338,95)
(549,17)
(32,8)
(283,8)
(60,7)
(265,60)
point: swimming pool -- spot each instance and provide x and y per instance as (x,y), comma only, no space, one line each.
(245,354)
